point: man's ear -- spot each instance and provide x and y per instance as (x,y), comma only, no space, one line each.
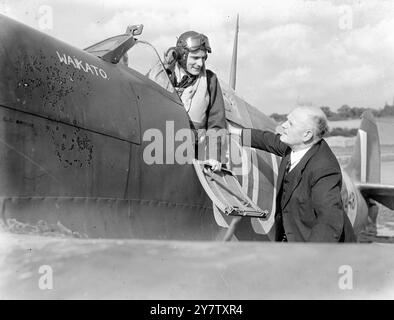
(308,135)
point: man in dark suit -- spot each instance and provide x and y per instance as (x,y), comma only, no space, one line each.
(308,203)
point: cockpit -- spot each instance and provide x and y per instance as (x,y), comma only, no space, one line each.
(137,55)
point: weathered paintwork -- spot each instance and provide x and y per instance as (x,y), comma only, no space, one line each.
(71,145)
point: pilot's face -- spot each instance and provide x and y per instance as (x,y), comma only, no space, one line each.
(297,129)
(195,62)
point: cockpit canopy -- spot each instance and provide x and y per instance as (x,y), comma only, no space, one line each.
(135,54)
(105,46)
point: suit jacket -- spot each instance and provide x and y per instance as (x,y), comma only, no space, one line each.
(309,205)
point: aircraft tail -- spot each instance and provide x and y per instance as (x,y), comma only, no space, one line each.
(364,165)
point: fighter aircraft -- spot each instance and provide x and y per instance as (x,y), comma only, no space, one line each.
(74,133)
(75,127)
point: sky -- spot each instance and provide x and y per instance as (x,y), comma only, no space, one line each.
(292,52)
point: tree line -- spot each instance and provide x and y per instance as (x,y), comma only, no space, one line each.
(344,113)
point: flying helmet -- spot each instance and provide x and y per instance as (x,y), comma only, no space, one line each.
(188,42)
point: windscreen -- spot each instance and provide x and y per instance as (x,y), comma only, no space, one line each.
(106,45)
(143,58)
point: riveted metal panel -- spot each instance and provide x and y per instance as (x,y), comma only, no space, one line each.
(41,157)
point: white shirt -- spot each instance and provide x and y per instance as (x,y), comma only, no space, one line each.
(296,156)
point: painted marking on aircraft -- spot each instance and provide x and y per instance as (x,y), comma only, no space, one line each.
(263,226)
(80,65)
(363,155)
(256,180)
(245,169)
(275,170)
(231,104)
(350,202)
(251,173)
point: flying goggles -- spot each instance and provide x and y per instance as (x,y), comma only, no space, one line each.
(196,42)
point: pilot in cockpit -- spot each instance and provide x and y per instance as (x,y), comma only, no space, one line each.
(197,87)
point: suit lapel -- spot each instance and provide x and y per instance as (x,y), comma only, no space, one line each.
(297,172)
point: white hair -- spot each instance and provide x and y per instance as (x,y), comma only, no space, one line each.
(318,119)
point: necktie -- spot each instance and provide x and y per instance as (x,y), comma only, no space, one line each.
(288,166)
(287,169)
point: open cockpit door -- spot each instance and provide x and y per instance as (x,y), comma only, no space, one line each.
(226,193)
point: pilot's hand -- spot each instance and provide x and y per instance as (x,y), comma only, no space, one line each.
(169,57)
(214,164)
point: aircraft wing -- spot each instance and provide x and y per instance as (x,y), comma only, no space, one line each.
(383,194)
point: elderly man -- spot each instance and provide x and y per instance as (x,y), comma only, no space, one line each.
(198,88)
(308,203)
